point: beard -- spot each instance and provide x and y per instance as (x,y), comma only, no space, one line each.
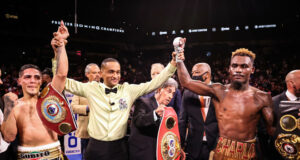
(32,92)
(236,85)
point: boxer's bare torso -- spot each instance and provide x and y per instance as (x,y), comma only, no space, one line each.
(31,130)
(238,111)
(238,105)
(21,117)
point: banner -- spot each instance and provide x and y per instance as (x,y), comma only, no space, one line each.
(72,144)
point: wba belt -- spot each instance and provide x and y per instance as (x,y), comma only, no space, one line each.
(168,139)
(54,111)
(287,142)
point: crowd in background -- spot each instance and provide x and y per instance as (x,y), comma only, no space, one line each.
(271,65)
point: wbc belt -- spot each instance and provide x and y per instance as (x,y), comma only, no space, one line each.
(54,111)
(168,139)
(287,142)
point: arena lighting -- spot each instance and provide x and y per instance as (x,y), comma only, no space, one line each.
(197,30)
(86,26)
(265,26)
(171,32)
(78,53)
(225,28)
(163,32)
(11,16)
(222,29)
(208,53)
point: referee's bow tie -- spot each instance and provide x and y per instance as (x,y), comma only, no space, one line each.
(107,90)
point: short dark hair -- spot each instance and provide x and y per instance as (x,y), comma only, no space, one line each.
(108,60)
(48,71)
(26,66)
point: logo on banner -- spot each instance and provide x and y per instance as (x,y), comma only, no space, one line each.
(72,144)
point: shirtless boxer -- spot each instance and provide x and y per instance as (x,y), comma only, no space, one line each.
(36,140)
(238,107)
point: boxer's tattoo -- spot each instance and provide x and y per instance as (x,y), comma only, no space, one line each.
(8,106)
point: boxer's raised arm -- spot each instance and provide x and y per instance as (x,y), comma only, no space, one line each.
(58,45)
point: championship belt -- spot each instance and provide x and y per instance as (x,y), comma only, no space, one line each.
(54,111)
(168,139)
(287,142)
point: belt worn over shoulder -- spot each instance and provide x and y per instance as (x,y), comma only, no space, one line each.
(54,111)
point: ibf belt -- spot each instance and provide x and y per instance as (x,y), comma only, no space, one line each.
(168,139)
(54,111)
(228,149)
(287,142)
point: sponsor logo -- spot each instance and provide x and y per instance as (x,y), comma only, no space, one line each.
(122,104)
(35,155)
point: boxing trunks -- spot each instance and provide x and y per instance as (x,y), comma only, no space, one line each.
(46,152)
(168,139)
(228,149)
(54,111)
(287,142)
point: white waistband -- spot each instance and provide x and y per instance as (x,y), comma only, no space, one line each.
(38,148)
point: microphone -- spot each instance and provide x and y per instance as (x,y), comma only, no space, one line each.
(178,44)
(111,103)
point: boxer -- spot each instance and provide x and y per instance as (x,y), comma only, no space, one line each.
(238,107)
(37,141)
